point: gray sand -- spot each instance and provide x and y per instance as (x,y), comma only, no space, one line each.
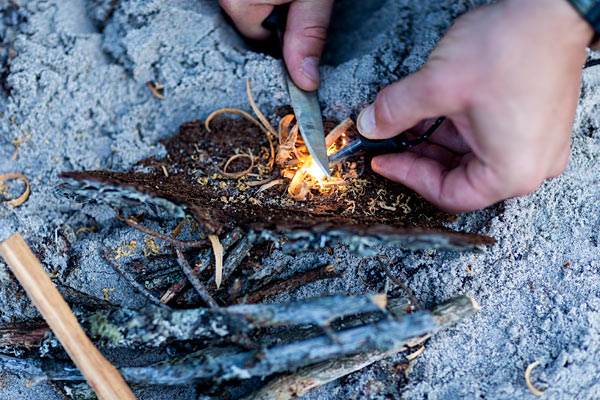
(82,96)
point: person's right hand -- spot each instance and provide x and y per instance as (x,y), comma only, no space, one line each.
(507,77)
(304,35)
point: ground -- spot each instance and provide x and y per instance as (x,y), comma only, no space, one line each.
(73,76)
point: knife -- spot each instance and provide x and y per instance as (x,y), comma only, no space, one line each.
(305,104)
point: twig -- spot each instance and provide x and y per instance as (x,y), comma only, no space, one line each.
(237,255)
(178,286)
(309,378)
(162,236)
(153,326)
(131,280)
(398,282)
(25,334)
(282,285)
(193,278)
(217,365)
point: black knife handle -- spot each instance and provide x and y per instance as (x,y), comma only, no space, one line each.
(276,22)
(396,144)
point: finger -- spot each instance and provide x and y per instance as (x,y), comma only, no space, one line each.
(405,103)
(464,188)
(447,136)
(248,16)
(304,39)
(438,153)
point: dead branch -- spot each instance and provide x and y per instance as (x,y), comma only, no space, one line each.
(282,285)
(311,377)
(26,334)
(162,236)
(193,278)
(205,260)
(131,280)
(219,365)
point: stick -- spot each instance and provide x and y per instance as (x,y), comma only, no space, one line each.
(368,343)
(282,285)
(196,282)
(131,280)
(100,374)
(206,259)
(308,378)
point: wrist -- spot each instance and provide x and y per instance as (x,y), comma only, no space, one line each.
(589,10)
(558,18)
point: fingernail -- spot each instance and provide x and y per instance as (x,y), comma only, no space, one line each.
(366,122)
(310,68)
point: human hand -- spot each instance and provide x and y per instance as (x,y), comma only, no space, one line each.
(304,35)
(507,76)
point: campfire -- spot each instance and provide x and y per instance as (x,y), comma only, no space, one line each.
(290,154)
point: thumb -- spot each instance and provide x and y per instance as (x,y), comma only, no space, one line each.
(304,39)
(403,104)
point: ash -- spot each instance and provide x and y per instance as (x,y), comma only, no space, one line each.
(78,85)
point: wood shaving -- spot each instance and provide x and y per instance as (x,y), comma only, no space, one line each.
(233,111)
(532,389)
(298,188)
(106,291)
(257,111)
(416,354)
(258,183)
(16,143)
(265,123)
(237,175)
(287,140)
(338,131)
(360,265)
(154,89)
(151,248)
(250,118)
(269,185)
(21,199)
(218,250)
(164,170)
(90,229)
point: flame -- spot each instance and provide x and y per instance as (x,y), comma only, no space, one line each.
(315,171)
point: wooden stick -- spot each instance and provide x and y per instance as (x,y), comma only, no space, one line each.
(102,376)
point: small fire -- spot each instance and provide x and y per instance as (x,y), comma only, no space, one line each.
(315,171)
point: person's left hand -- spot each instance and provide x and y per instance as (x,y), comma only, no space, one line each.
(304,35)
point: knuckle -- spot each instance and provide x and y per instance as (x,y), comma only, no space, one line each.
(315,32)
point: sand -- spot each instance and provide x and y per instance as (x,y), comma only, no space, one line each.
(78,87)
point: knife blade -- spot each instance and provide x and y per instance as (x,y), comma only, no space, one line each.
(305,104)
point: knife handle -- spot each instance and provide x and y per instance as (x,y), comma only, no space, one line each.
(276,22)
(398,143)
